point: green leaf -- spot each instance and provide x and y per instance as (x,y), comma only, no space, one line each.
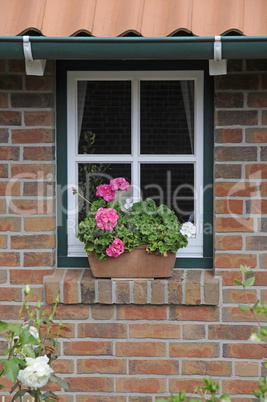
(11,368)
(238,282)
(3,326)
(14,387)
(59,382)
(250,281)
(21,392)
(28,351)
(255,305)
(243,307)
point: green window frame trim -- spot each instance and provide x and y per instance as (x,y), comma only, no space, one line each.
(62,67)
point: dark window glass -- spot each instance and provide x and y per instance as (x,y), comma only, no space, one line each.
(95,174)
(104,117)
(167,117)
(171,184)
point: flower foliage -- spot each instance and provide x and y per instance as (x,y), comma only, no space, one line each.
(31,350)
(111,228)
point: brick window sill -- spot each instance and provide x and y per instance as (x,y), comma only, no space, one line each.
(78,286)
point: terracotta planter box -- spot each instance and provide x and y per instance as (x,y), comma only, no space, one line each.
(135,264)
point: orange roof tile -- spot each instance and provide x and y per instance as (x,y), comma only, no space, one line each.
(149,18)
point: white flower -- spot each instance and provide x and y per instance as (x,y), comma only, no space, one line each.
(188,229)
(128,203)
(37,372)
(255,338)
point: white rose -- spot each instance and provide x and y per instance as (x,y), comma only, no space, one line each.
(188,229)
(37,372)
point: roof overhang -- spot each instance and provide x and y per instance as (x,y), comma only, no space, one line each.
(134,48)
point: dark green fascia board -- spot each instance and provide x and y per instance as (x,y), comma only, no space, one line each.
(137,48)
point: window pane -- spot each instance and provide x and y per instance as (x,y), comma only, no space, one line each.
(171,184)
(95,174)
(167,117)
(104,117)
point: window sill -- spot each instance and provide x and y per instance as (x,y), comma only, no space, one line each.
(185,287)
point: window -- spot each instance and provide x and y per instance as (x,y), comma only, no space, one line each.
(147,126)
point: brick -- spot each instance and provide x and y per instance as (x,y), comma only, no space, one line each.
(71,312)
(194,331)
(4,134)
(101,366)
(87,348)
(223,154)
(211,289)
(145,349)
(234,118)
(176,385)
(63,366)
(256,243)
(3,241)
(246,369)
(9,259)
(16,66)
(100,312)
(38,153)
(264,189)
(39,188)
(52,285)
(239,386)
(9,188)
(32,100)
(235,189)
(211,368)
(3,101)
(34,136)
(29,276)
(194,349)
(263,261)
(257,99)
(194,313)
(235,260)
(264,117)
(228,171)
(256,65)
(99,330)
(228,277)
(237,81)
(39,259)
(2,206)
(159,331)
(90,384)
(33,242)
(230,332)
(234,314)
(3,171)
(10,118)
(43,83)
(88,287)
(10,294)
(36,294)
(142,313)
(228,206)
(8,312)
(157,367)
(140,292)
(99,398)
(10,82)
(256,206)
(122,292)
(228,242)
(34,171)
(9,224)
(175,290)
(257,171)
(39,224)
(263,153)
(192,287)
(158,291)
(25,206)
(237,224)
(140,399)
(256,135)
(39,118)
(71,286)
(142,385)
(105,291)
(228,100)
(239,296)
(251,351)
(2,65)
(230,135)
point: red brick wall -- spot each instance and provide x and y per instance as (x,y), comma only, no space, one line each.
(132,341)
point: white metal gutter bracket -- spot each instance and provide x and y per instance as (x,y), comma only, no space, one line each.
(33,67)
(218,66)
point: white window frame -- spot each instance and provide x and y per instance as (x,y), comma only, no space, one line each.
(195,246)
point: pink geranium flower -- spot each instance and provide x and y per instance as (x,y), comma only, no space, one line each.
(119,184)
(106,192)
(116,248)
(106,218)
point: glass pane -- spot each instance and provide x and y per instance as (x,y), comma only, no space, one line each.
(104,117)
(170,184)
(167,117)
(95,174)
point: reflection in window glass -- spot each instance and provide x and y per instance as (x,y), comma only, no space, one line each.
(104,117)
(171,184)
(167,117)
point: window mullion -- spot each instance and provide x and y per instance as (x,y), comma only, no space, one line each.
(135,124)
